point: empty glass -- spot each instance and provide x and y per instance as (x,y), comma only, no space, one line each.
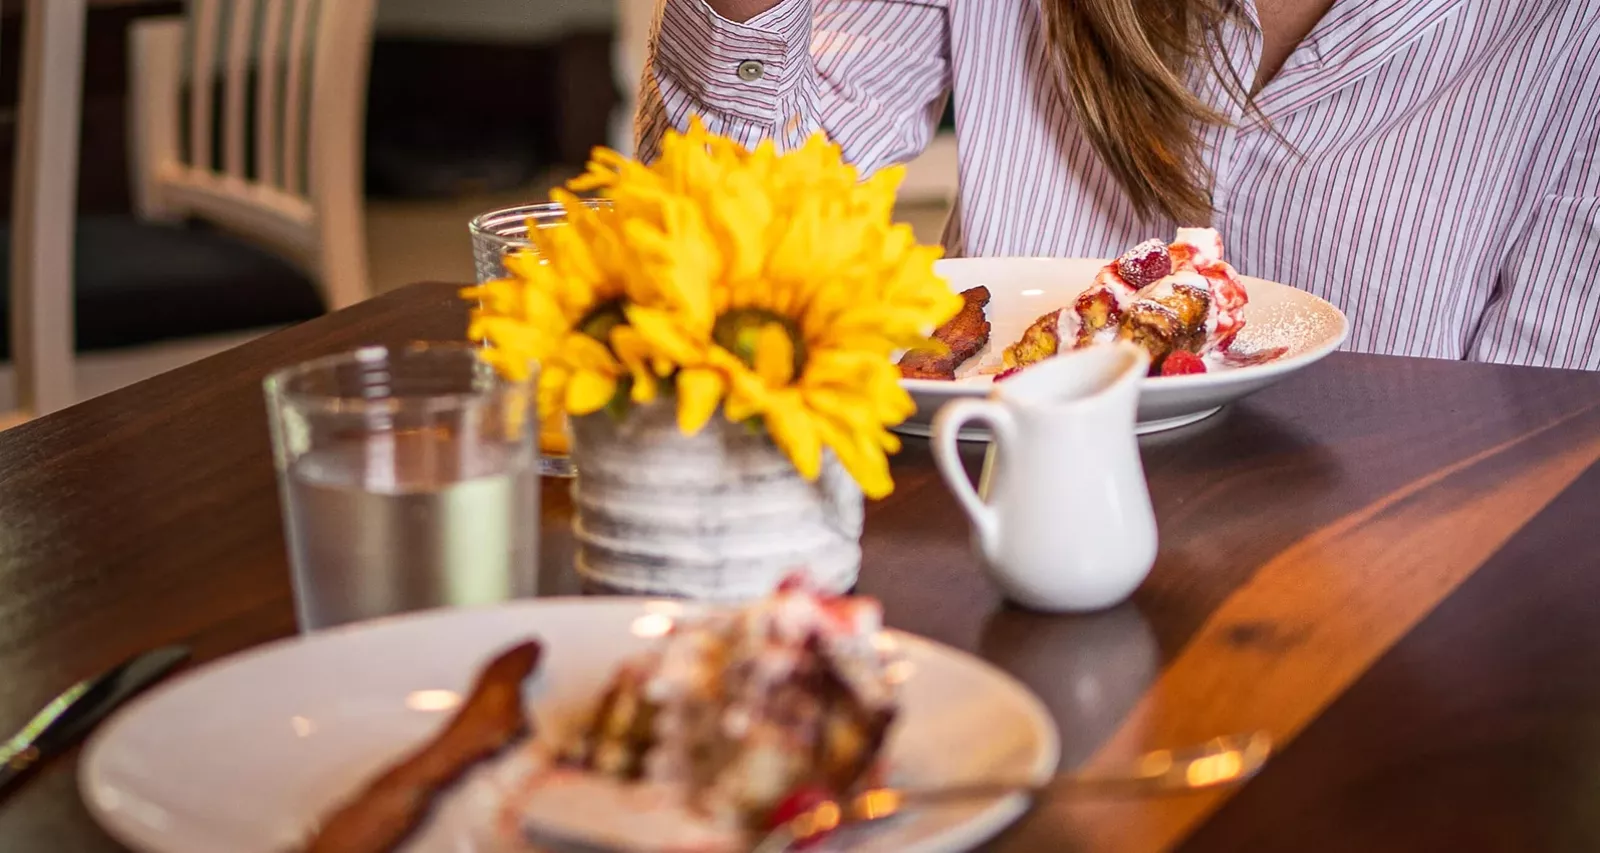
(407,480)
(495,235)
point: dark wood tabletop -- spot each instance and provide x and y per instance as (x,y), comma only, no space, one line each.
(1391,564)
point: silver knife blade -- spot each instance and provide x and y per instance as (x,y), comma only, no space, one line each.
(71,715)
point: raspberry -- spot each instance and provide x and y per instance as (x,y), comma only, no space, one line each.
(1182,363)
(797,580)
(1145,264)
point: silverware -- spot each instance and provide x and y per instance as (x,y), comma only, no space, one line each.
(71,715)
(1217,762)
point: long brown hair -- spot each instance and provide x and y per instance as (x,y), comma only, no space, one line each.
(1128,67)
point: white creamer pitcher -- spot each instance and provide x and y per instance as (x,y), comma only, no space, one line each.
(1067,525)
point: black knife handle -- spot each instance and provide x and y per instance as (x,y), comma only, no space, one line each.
(87,704)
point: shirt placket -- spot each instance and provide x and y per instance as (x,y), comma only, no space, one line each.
(1354,39)
(1228,141)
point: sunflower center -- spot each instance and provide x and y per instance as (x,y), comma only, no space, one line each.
(741,332)
(601,319)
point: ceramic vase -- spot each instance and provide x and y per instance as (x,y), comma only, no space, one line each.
(721,515)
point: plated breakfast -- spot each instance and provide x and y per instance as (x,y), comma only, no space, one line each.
(702,743)
(712,737)
(1181,302)
(1214,335)
(631,724)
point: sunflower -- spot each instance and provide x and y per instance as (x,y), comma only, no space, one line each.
(772,286)
(561,308)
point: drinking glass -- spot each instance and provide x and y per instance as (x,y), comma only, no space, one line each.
(495,235)
(407,479)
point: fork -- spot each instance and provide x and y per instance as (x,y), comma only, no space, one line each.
(1218,762)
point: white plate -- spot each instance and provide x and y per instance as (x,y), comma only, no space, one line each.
(243,755)
(1021,290)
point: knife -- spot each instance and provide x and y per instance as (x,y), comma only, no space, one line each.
(71,715)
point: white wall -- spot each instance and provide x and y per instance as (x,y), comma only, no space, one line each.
(496,20)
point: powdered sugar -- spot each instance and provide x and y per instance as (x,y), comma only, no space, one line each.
(1285,326)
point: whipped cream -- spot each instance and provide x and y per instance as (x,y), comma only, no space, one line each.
(1068,327)
(1204,244)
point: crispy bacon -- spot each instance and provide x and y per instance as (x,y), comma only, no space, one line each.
(394,804)
(963,336)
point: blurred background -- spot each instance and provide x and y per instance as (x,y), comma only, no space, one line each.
(469,105)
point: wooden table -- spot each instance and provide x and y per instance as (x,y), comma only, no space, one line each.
(1390,563)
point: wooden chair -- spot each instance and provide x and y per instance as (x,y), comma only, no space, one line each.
(298,193)
(282,236)
(42,207)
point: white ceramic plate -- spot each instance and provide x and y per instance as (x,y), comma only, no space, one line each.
(1022,290)
(243,755)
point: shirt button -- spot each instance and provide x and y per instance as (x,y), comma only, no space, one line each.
(750,71)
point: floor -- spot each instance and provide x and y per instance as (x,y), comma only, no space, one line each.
(407,240)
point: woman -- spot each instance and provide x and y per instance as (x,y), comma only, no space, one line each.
(1430,166)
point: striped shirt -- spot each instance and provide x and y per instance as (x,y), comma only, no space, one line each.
(1440,181)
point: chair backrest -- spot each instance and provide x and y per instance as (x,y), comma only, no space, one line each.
(285,170)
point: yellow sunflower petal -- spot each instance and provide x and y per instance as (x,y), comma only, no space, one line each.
(580,350)
(699,393)
(664,335)
(774,358)
(589,391)
(738,408)
(795,432)
(507,364)
(634,353)
(643,390)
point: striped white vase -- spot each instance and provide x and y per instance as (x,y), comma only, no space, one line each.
(721,515)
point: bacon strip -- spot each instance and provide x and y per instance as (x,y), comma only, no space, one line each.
(394,805)
(965,334)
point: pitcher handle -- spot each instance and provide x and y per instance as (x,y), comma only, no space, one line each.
(947,426)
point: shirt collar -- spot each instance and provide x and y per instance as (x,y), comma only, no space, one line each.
(1373,30)
(1353,39)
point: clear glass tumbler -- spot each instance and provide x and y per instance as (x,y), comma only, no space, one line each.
(495,235)
(408,480)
